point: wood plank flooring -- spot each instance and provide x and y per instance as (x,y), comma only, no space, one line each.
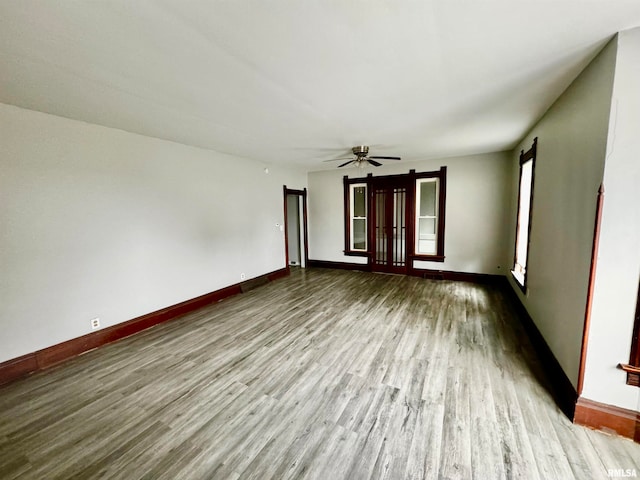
(325,374)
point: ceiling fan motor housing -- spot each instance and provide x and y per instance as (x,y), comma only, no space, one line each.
(360,150)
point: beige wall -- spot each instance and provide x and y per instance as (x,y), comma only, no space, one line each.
(477,211)
(97,222)
(572,139)
(616,285)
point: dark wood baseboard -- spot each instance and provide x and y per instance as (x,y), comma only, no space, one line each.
(362,267)
(275,275)
(18,367)
(580,410)
(48,357)
(608,418)
(565,393)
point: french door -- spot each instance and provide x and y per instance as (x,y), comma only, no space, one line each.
(389,235)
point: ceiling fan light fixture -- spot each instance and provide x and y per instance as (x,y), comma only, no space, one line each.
(362,158)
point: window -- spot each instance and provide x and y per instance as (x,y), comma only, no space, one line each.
(525,203)
(430,193)
(427,216)
(358,240)
(356,208)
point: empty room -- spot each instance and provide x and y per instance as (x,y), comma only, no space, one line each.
(319,240)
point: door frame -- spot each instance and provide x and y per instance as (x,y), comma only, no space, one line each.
(302,194)
(389,183)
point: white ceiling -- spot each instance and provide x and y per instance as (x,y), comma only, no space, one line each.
(297,82)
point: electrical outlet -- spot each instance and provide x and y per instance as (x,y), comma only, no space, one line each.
(243,276)
(95,323)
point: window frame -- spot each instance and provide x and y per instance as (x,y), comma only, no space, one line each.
(440,176)
(525,157)
(352,217)
(349,184)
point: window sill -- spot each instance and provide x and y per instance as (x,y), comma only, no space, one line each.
(633,374)
(520,280)
(356,253)
(428,258)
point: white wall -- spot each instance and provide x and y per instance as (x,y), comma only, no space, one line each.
(97,222)
(325,205)
(477,210)
(616,285)
(572,138)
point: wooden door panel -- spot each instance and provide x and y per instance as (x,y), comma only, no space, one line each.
(389,228)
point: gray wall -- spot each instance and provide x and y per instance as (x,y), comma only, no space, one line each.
(97,222)
(477,211)
(618,270)
(572,139)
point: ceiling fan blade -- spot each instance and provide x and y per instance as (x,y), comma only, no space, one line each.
(387,158)
(338,159)
(373,162)
(346,163)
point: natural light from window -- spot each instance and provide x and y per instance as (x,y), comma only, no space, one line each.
(427,216)
(358,209)
(522,234)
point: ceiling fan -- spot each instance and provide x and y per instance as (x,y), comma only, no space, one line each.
(362,158)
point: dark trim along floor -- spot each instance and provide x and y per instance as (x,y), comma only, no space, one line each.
(582,411)
(608,418)
(48,357)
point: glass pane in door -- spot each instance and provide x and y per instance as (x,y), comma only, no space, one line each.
(399,227)
(381,228)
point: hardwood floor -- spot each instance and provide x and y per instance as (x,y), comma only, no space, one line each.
(325,374)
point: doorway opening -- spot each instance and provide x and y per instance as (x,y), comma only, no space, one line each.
(295,227)
(389,227)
